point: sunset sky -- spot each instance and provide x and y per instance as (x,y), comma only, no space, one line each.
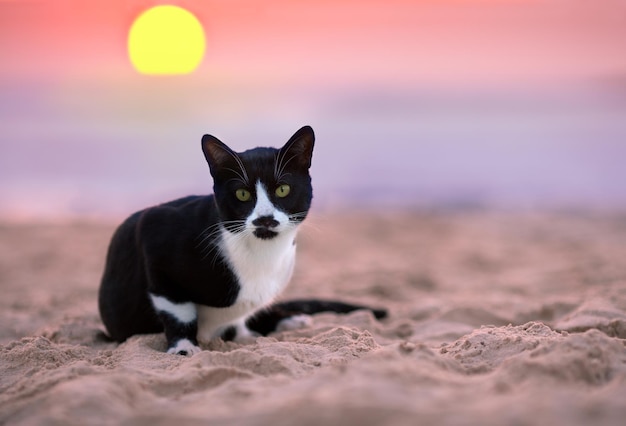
(481,97)
(415,41)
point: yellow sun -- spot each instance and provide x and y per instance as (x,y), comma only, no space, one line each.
(166,40)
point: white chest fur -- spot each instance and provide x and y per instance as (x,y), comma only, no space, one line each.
(262,267)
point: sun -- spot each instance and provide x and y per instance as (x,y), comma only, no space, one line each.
(166,40)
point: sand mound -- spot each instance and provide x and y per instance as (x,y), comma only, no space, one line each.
(495,319)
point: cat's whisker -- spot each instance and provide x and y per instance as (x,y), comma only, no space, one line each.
(298,219)
(294,217)
(276,156)
(208,230)
(304,213)
(212,246)
(244,174)
(283,166)
(278,164)
(208,233)
(239,176)
(309,225)
(220,224)
(241,166)
(208,236)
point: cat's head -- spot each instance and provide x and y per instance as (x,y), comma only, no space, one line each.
(263,191)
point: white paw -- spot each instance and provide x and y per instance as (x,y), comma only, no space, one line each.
(184,347)
(295,322)
(245,335)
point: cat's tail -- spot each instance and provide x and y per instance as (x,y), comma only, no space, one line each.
(268,320)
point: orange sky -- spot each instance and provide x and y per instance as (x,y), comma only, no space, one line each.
(333,40)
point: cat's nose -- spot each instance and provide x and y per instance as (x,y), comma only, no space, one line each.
(265,222)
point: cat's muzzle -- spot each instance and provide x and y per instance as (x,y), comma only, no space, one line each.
(265,226)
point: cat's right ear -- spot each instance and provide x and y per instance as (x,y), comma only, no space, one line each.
(216,152)
(300,147)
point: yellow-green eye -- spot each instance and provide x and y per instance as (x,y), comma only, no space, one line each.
(282,191)
(243,194)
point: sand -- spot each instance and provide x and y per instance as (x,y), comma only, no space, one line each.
(495,318)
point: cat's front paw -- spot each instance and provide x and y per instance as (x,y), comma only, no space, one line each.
(295,322)
(184,347)
(245,336)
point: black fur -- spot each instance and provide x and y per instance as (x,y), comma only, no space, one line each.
(157,250)
(265,321)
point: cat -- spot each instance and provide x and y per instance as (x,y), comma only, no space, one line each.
(208,266)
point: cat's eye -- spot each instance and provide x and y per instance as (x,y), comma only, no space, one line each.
(282,191)
(243,194)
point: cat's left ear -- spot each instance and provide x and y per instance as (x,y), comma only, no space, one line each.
(300,147)
(216,152)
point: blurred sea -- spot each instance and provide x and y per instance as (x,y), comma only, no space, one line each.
(87,149)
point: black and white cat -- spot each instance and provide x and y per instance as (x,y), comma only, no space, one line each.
(201,267)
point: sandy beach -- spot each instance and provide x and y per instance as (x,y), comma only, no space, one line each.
(496,318)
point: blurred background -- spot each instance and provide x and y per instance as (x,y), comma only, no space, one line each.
(515,104)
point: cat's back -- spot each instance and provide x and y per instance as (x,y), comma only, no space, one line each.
(192,210)
(157,225)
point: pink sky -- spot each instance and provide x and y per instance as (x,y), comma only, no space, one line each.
(334,41)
